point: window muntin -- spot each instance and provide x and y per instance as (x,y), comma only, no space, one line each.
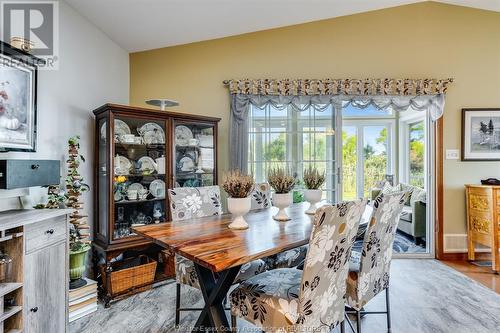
(293,140)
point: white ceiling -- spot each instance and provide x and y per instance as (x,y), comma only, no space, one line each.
(138,25)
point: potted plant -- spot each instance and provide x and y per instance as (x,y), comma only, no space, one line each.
(313,179)
(238,186)
(79,232)
(282,182)
(77,259)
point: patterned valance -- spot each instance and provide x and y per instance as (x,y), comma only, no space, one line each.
(364,87)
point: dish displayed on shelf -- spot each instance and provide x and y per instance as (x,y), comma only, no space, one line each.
(147,164)
(157,188)
(192,183)
(122,165)
(121,128)
(186,164)
(135,187)
(206,140)
(152,133)
(182,135)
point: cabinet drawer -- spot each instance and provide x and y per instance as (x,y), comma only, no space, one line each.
(45,233)
(27,173)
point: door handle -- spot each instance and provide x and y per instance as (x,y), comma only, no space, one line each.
(50,231)
(35,309)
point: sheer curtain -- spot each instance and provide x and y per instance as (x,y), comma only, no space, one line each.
(240,106)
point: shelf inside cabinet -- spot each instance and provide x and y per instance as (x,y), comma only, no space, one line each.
(9,287)
(14,330)
(10,311)
(126,202)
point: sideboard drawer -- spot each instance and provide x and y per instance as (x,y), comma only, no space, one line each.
(45,233)
(28,173)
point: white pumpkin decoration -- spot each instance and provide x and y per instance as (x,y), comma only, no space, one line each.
(10,123)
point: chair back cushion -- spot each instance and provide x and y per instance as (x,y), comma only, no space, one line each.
(193,202)
(261,196)
(377,246)
(323,287)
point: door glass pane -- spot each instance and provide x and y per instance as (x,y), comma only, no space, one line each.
(102,172)
(194,155)
(349,160)
(139,173)
(416,149)
(375,156)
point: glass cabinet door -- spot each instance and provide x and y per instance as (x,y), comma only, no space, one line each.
(139,173)
(102,178)
(194,154)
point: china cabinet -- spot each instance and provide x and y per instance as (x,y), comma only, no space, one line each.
(139,153)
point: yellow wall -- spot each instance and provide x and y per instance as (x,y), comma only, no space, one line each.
(415,41)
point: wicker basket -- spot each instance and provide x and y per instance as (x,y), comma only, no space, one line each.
(124,278)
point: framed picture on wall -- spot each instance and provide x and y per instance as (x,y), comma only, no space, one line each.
(18,92)
(481,134)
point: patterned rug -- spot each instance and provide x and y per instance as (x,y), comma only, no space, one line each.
(404,244)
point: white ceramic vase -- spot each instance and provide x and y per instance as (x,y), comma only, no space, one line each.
(238,207)
(282,201)
(313,197)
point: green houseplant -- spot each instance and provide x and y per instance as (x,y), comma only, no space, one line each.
(79,243)
(282,181)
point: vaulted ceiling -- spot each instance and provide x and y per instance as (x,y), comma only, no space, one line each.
(138,25)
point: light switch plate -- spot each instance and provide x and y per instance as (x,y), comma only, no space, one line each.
(452,154)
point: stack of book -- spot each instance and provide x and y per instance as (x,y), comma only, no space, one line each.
(83,300)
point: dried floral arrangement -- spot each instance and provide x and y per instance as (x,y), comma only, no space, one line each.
(281,180)
(313,179)
(238,184)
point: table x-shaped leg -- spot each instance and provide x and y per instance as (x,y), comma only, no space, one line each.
(213,317)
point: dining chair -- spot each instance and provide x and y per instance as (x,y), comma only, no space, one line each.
(187,203)
(308,300)
(261,199)
(369,269)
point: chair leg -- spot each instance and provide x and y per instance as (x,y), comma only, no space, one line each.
(234,327)
(358,321)
(388,309)
(342,326)
(177,304)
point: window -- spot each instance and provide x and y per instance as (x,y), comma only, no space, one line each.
(367,136)
(416,140)
(292,140)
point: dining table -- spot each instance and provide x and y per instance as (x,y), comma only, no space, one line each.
(218,252)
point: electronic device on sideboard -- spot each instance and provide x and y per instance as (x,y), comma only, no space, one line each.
(490,181)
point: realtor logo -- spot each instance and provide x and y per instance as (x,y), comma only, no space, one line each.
(33,24)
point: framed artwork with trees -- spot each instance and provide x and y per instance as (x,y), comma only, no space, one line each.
(481,134)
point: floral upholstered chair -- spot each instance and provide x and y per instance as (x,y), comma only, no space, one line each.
(261,199)
(187,203)
(261,196)
(369,270)
(312,300)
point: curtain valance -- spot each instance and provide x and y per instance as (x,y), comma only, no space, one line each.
(362,87)
(400,94)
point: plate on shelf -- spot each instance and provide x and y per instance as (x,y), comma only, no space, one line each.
(122,165)
(147,163)
(186,164)
(152,133)
(135,186)
(182,135)
(192,183)
(157,188)
(121,128)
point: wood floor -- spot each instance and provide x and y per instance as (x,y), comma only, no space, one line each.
(483,275)
(426,296)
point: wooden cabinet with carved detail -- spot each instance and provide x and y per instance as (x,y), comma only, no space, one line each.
(483,220)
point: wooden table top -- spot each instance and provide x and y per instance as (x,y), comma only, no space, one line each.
(209,242)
